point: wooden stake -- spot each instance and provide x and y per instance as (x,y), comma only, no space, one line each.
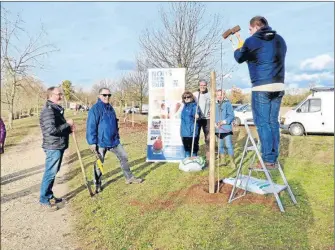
(212,136)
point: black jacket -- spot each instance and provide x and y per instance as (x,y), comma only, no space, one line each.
(55,130)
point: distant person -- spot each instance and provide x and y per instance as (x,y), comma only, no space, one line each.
(265,53)
(2,136)
(224,117)
(202,97)
(56,131)
(189,114)
(102,135)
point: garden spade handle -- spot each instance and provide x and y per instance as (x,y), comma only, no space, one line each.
(81,165)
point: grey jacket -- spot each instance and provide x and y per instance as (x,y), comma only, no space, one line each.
(54,128)
(204,103)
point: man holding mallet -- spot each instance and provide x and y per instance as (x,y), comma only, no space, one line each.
(264,51)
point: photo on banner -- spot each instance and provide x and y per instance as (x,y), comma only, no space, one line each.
(165,105)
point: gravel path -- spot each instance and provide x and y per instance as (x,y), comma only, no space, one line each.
(24,224)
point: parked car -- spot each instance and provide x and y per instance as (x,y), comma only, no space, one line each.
(235,106)
(315,114)
(129,110)
(241,113)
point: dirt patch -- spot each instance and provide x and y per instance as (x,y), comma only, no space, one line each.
(198,194)
(24,224)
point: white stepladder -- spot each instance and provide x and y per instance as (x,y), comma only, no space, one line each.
(242,182)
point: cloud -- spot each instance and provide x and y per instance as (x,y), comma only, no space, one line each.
(125,65)
(297,77)
(320,62)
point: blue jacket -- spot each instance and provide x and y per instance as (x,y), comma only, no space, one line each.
(224,111)
(187,120)
(265,53)
(102,126)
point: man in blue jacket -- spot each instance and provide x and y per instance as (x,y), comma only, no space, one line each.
(102,134)
(265,53)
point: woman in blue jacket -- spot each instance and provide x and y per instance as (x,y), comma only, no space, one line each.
(224,116)
(188,115)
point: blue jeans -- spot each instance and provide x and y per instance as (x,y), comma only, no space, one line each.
(265,111)
(53,162)
(226,139)
(123,158)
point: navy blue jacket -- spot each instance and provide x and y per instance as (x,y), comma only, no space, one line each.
(224,111)
(187,120)
(102,126)
(265,53)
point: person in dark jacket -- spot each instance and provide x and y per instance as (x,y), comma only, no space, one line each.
(102,134)
(188,116)
(2,136)
(56,131)
(265,53)
(224,117)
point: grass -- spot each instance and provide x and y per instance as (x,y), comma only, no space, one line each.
(171,210)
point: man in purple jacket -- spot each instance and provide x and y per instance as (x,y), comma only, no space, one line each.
(265,51)
(2,136)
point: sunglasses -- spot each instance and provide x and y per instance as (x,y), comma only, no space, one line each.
(105,95)
(187,97)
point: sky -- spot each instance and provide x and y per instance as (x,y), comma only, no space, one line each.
(99,40)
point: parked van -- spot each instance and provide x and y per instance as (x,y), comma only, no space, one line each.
(145,108)
(315,114)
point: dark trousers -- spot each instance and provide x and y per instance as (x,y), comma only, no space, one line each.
(187,142)
(204,124)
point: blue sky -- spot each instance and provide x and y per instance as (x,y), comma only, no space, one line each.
(99,40)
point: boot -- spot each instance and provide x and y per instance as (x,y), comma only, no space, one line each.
(232,161)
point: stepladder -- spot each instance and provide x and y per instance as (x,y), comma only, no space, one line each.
(248,182)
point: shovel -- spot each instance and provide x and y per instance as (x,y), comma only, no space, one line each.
(81,165)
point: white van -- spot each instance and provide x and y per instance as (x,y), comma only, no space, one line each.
(315,114)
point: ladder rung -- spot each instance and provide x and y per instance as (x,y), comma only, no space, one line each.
(251,148)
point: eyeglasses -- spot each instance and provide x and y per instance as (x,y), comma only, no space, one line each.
(105,95)
(187,97)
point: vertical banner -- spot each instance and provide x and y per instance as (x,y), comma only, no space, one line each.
(165,105)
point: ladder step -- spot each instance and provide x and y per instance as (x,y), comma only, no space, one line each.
(251,148)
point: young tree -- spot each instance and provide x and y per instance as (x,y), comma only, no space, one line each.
(68,91)
(187,40)
(236,95)
(18,59)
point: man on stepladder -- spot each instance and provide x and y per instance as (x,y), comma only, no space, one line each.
(265,53)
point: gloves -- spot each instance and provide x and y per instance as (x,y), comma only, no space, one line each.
(240,44)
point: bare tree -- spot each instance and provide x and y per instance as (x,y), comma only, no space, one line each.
(136,83)
(18,59)
(187,40)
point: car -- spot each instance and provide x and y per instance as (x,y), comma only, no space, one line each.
(235,106)
(242,113)
(129,110)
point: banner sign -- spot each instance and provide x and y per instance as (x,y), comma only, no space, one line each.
(165,105)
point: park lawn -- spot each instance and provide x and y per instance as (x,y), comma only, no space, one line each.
(172,210)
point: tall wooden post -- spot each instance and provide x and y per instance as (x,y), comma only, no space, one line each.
(132,114)
(212,136)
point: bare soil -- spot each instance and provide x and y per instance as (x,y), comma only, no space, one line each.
(24,223)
